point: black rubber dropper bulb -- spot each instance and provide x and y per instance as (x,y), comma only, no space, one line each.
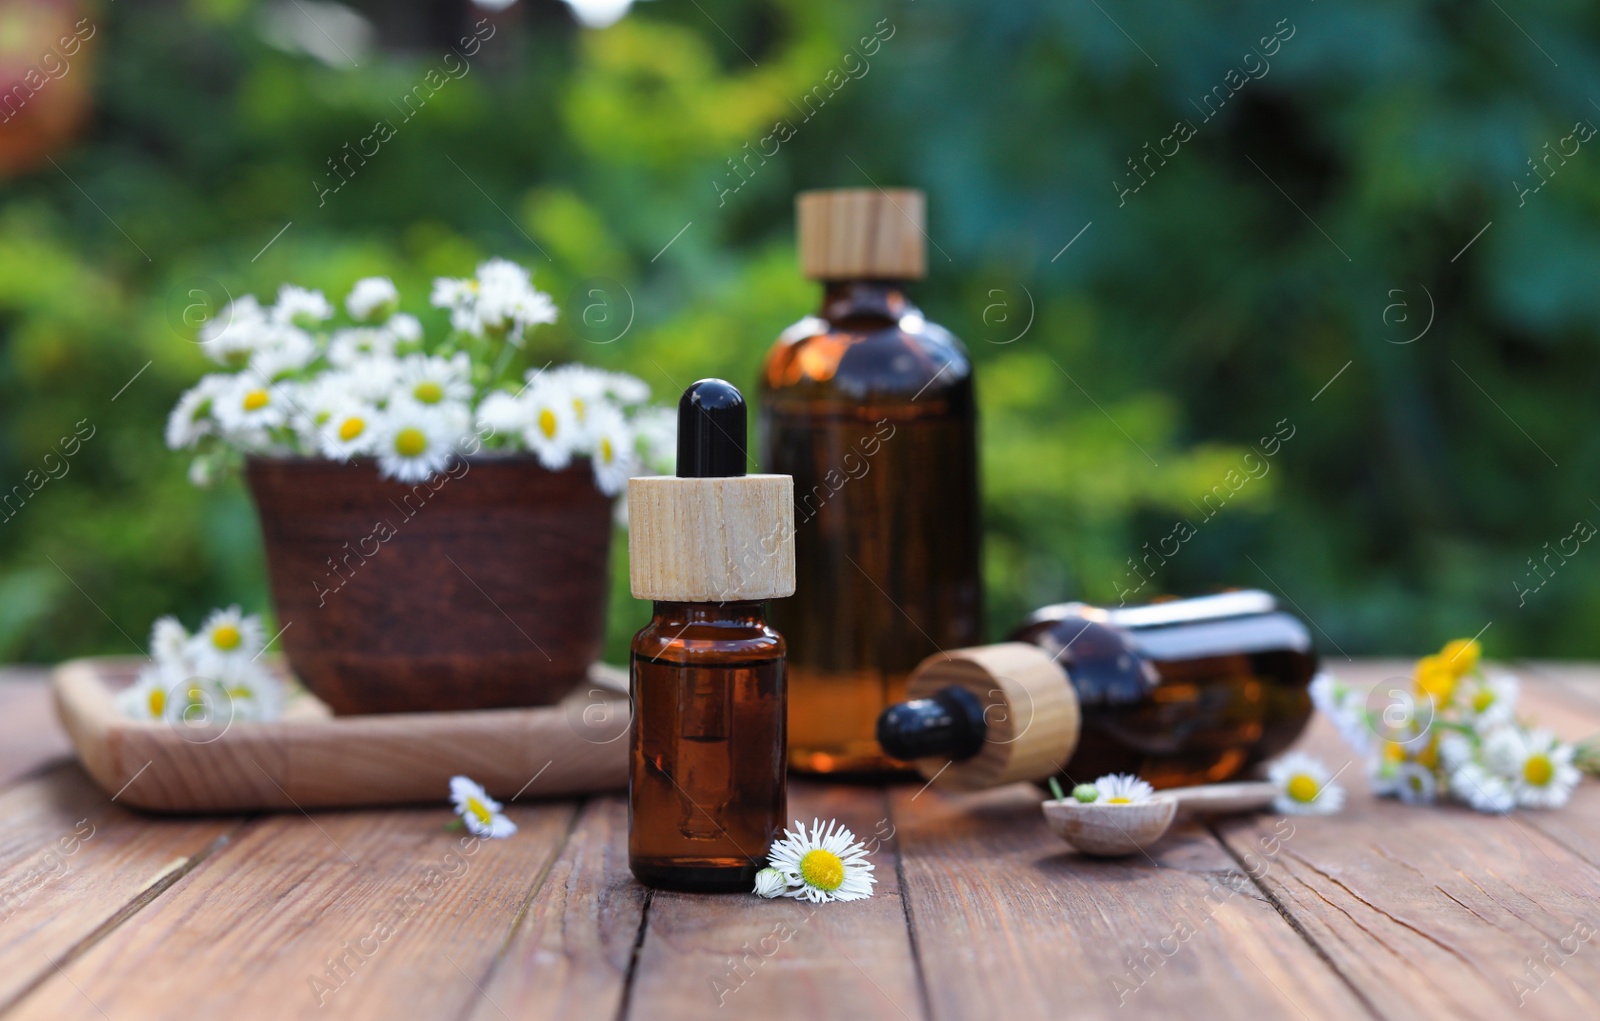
(949,724)
(711,431)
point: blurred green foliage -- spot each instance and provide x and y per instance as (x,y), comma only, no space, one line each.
(1189,319)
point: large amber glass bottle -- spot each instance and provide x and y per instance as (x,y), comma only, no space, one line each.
(1183,692)
(870,408)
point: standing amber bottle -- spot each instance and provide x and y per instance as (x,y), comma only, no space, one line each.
(709,546)
(870,408)
(1184,692)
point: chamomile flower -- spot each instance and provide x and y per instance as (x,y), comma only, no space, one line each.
(371,380)
(286,351)
(1345,707)
(771,883)
(612,453)
(436,380)
(372,300)
(414,442)
(245,691)
(1490,702)
(226,639)
(1415,784)
(552,431)
(824,864)
(169,641)
(359,343)
(501,301)
(504,414)
(1476,785)
(481,813)
(192,419)
(1537,767)
(350,430)
(300,306)
(1122,789)
(149,698)
(655,432)
(1305,786)
(232,337)
(406,329)
(250,405)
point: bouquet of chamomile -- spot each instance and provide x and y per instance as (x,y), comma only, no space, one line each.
(1452,730)
(299,380)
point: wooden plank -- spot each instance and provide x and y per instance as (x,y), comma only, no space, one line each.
(30,736)
(1436,912)
(1558,700)
(570,956)
(72,864)
(785,958)
(1009,920)
(351,914)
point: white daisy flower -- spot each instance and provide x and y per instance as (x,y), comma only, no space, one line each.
(406,329)
(501,300)
(350,430)
(370,380)
(149,698)
(300,306)
(436,380)
(612,453)
(585,388)
(372,300)
(1537,766)
(226,639)
(504,414)
(169,642)
(552,431)
(1415,784)
(1122,789)
(248,692)
(824,865)
(771,883)
(1490,702)
(1472,783)
(360,343)
(192,419)
(1305,786)
(1454,749)
(232,337)
(480,812)
(626,389)
(285,351)
(414,442)
(250,404)
(1345,707)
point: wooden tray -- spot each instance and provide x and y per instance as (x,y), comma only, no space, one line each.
(313,759)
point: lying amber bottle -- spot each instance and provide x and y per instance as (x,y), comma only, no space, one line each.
(709,546)
(869,406)
(1182,692)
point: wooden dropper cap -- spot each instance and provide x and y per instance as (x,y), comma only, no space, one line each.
(711,533)
(862,234)
(985,716)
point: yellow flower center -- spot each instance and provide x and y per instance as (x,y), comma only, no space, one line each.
(822,869)
(428,392)
(577,406)
(1303,788)
(158,701)
(547,423)
(480,811)
(1118,801)
(255,400)
(1538,770)
(607,452)
(409,442)
(226,637)
(1482,700)
(352,427)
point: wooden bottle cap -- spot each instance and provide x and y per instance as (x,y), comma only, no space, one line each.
(1030,711)
(862,234)
(711,540)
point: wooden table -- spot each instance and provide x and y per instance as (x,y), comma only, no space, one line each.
(1384,911)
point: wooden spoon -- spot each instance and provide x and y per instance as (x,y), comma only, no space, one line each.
(1109,830)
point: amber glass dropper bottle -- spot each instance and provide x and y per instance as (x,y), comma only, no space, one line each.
(709,546)
(870,407)
(1189,691)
